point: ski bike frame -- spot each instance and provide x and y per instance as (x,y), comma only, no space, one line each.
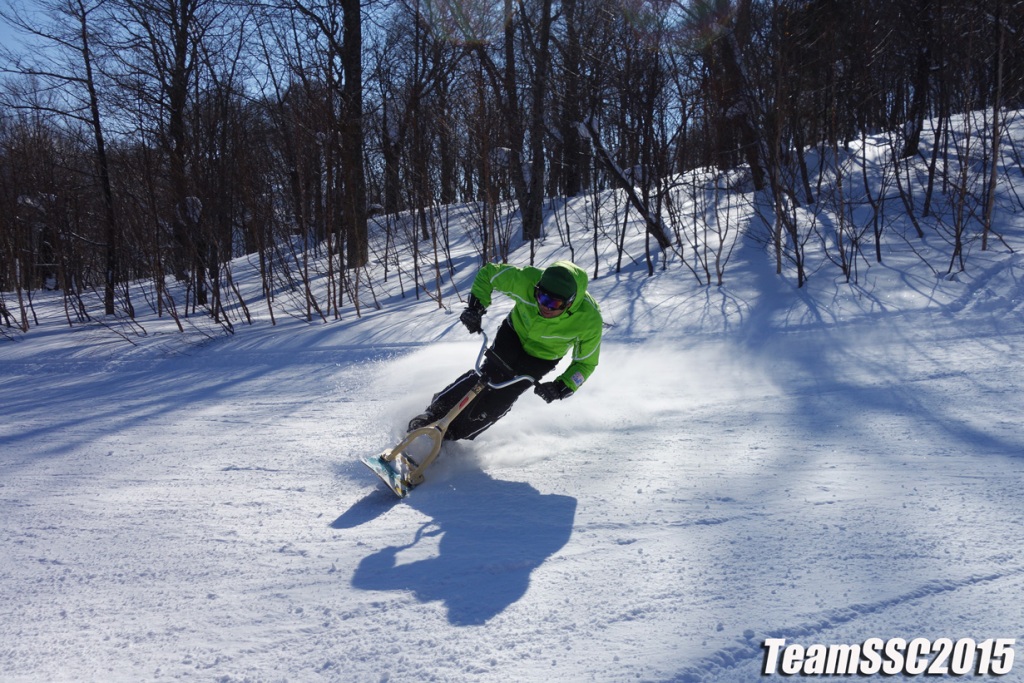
(435,431)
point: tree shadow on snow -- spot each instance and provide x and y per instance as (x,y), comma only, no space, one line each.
(483,541)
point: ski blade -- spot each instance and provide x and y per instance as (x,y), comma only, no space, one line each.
(387,473)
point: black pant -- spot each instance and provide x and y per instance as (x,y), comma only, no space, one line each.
(503,361)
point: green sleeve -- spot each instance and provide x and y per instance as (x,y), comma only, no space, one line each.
(483,285)
(586,350)
(511,280)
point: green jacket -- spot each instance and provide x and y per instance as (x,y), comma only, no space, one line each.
(579,328)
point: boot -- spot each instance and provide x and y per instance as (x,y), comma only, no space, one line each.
(434,412)
(444,400)
(422,420)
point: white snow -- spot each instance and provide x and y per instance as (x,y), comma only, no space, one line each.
(750,461)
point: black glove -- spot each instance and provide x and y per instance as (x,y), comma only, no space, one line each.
(473,315)
(553,391)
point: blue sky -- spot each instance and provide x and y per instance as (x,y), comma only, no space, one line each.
(8,36)
(5,35)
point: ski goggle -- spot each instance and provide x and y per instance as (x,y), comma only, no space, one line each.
(550,301)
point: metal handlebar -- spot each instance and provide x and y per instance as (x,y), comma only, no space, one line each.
(498,385)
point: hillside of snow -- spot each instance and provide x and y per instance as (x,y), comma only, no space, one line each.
(754,461)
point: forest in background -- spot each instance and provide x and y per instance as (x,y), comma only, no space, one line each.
(156,140)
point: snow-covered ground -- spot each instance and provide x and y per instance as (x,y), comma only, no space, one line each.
(754,461)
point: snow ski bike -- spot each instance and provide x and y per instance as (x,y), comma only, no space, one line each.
(399,470)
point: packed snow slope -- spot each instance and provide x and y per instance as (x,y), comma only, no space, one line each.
(751,461)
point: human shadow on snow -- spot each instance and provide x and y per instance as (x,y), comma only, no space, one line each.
(493,534)
(368,508)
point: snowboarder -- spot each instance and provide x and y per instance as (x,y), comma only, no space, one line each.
(553,313)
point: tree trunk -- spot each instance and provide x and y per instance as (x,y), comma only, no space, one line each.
(352,136)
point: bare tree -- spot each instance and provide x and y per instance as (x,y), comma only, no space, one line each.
(344,42)
(159,45)
(69,65)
